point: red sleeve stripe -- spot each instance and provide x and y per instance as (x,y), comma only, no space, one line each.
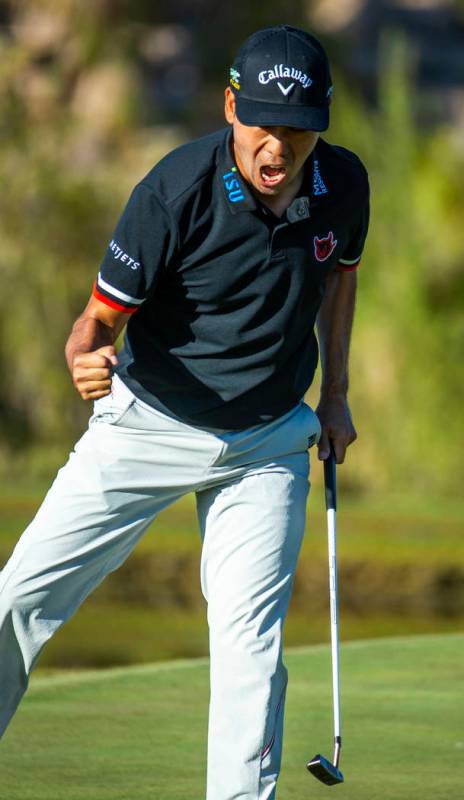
(111,303)
(345,268)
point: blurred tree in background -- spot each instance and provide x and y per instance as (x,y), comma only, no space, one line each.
(407,368)
(91,95)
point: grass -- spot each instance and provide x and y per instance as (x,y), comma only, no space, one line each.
(122,634)
(138,733)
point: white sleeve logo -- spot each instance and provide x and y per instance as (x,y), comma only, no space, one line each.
(120,255)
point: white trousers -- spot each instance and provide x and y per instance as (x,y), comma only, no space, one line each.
(251,488)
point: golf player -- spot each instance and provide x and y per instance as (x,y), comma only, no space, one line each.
(227,254)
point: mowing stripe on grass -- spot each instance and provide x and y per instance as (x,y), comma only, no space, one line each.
(116,734)
(41,682)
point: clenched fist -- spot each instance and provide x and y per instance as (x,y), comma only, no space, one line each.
(91,372)
(337,427)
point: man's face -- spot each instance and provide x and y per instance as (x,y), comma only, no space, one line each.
(270,159)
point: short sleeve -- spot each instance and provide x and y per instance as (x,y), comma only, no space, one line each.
(142,243)
(351,258)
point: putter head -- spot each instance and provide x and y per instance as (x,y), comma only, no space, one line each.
(323,770)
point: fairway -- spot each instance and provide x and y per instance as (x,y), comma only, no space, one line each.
(139,733)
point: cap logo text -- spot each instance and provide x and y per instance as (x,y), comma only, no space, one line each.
(280,71)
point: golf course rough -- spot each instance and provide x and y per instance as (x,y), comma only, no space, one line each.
(117,734)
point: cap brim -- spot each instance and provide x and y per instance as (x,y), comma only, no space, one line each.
(262,115)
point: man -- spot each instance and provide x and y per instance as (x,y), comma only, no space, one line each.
(224,256)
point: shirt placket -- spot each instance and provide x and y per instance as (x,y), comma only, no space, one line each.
(298,211)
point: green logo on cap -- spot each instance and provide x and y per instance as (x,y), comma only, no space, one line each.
(235,78)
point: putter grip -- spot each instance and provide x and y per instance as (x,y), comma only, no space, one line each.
(330,482)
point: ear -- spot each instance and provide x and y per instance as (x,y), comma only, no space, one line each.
(229,107)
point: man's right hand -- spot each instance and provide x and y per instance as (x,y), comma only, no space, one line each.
(92,372)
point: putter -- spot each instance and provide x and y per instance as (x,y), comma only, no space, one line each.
(321,767)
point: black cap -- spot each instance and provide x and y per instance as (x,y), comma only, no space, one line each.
(281,76)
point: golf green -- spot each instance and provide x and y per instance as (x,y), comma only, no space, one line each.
(139,733)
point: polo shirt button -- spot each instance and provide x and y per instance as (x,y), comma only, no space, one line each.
(301,211)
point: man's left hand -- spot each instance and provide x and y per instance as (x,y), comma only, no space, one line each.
(337,427)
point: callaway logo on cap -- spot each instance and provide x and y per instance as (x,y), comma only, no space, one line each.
(281,76)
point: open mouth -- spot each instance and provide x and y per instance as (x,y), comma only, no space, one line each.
(272,175)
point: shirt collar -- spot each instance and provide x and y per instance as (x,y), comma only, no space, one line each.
(239,198)
(320,190)
(236,192)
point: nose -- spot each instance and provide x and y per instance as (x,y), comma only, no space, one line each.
(278,140)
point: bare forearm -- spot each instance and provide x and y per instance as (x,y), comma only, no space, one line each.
(334,325)
(90,351)
(88,334)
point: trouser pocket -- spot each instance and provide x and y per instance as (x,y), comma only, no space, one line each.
(113,407)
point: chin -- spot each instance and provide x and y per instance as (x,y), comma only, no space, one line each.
(270,191)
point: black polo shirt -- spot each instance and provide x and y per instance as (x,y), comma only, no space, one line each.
(226,293)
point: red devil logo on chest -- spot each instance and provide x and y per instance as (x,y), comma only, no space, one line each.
(324,246)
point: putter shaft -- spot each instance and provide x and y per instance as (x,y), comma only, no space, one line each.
(319,766)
